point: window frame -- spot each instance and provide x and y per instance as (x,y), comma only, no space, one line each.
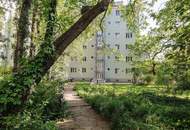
(84,70)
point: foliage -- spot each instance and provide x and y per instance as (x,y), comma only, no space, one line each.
(134,14)
(148,79)
(5,72)
(165,75)
(174,22)
(45,105)
(167,43)
(137,107)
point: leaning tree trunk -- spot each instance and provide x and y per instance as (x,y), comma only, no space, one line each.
(22,33)
(34,70)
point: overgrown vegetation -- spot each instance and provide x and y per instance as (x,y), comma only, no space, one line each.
(138,107)
(45,105)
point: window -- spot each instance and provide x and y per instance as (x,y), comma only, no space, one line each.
(84,58)
(129,35)
(116,58)
(99,75)
(73,70)
(126,71)
(117,34)
(84,46)
(117,46)
(92,57)
(108,57)
(99,35)
(129,81)
(129,58)
(83,70)
(73,58)
(99,65)
(117,12)
(92,45)
(116,70)
(126,46)
(109,33)
(109,22)
(108,69)
(117,22)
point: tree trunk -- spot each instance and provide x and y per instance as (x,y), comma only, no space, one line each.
(33,30)
(154,69)
(22,31)
(35,69)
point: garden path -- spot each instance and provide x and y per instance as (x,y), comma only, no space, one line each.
(83,116)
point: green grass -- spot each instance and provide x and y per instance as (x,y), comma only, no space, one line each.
(138,107)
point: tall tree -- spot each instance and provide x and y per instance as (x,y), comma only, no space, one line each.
(22,33)
(149,49)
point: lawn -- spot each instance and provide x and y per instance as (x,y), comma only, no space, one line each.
(132,107)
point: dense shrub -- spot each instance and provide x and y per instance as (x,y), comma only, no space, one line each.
(44,106)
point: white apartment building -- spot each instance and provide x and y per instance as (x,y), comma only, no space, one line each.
(100,66)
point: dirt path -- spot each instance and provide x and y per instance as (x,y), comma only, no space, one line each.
(83,116)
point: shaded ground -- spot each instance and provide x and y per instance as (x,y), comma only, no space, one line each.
(83,116)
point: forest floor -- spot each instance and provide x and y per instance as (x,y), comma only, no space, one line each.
(83,117)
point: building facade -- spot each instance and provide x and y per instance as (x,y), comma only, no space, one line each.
(106,57)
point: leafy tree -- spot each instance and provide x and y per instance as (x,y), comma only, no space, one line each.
(174,22)
(150,49)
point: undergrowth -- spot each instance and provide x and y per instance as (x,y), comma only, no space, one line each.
(133,107)
(44,107)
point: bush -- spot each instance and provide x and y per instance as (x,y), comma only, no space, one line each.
(149,79)
(44,106)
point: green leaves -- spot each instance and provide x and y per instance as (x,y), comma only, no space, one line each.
(137,107)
